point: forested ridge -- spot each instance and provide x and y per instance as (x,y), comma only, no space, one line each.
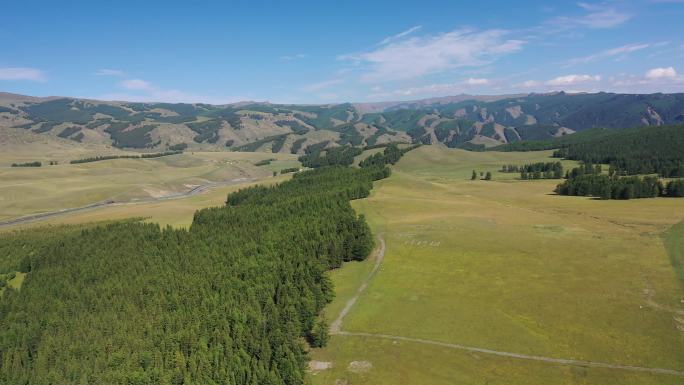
(231,300)
(647,150)
(643,150)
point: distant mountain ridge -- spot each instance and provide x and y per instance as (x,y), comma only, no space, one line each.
(457,121)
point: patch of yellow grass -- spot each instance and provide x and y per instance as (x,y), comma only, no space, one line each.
(25,191)
(17,281)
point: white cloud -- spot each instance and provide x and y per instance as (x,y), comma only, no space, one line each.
(655,80)
(476,82)
(136,84)
(529,84)
(294,57)
(419,56)
(569,80)
(661,73)
(21,73)
(431,89)
(598,16)
(168,96)
(569,83)
(400,34)
(110,72)
(139,90)
(313,87)
(609,53)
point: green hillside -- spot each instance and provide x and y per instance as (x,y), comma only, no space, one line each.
(244,126)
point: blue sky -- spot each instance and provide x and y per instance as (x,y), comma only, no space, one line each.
(324,51)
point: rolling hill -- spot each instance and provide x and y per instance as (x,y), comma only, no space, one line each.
(457,121)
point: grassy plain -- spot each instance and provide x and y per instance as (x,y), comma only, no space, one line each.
(674,241)
(506,265)
(25,191)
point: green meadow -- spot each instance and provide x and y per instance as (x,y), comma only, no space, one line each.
(507,265)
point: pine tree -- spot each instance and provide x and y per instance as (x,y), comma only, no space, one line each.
(319,335)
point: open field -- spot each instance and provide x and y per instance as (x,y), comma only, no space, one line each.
(179,212)
(674,241)
(506,265)
(171,212)
(25,191)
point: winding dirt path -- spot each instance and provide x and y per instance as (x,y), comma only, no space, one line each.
(336,329)
(336,326)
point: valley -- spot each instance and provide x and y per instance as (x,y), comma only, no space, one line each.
(357,193)
(481,273)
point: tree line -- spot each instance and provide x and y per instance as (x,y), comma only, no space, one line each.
(390,155)
(649,150)
(109,157)
(264,162)
(539,170)
(28,164)
(320,157)
(587,181)
(289,170)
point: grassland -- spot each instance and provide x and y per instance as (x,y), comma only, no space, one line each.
(25,191)
(501,264)
(508,266)
(674,241)
(171,212)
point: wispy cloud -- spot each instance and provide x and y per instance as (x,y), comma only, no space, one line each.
(22,73)
(430,89)
(529,84)
(565,82)
(110,72)
(662,79)
(136,84)
(139,90)
(169,96)
(398,36)
(476,81)
(294,57)
(468,85)
(609,53)
(314,87)
(571,80)
(597,16)
(419,56)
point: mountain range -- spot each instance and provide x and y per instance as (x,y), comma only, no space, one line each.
(456,121)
